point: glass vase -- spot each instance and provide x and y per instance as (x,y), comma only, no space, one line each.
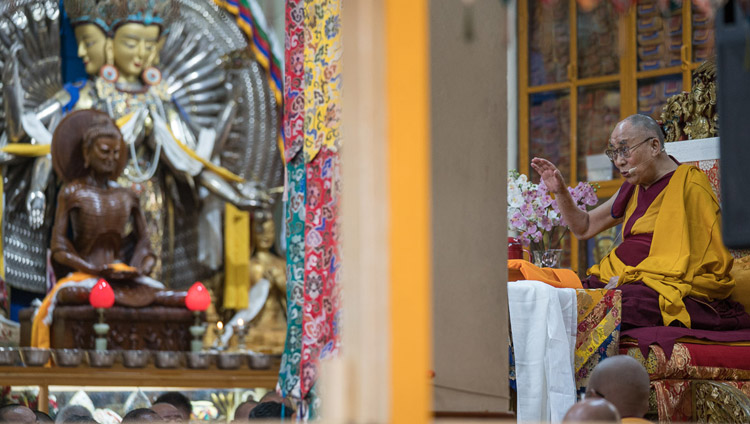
(550,258)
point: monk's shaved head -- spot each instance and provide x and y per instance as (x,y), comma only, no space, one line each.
(623,381)
(598,410)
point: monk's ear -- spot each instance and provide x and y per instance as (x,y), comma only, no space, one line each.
(657,145)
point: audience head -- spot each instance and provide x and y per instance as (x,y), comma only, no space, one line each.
(79,419)
(243,410)
(270,410)
(599,410)
(42,417)
(167,412)
(15,413)
(179,401)
(141,415)
(74,413)
(623,381)
(272,396)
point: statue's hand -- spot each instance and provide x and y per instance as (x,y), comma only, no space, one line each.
(252,194)
(109,273)
(36,205)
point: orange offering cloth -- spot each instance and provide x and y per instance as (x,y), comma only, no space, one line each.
(519,269)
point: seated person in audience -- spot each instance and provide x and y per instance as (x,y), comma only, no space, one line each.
(272,396)
(42,417)
(265,410)
(179,401)
(243,410)
(16,414)
(597,410)
(141,415)
(672,266)
(624,382)
(167,412)
(74,413)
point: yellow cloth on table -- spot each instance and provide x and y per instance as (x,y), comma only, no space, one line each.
(687,256)
(519,269)
(40,336)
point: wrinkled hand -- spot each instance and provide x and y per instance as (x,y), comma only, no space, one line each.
(551,176)
(36,205)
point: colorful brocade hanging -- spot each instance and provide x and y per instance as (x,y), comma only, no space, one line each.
(312,114)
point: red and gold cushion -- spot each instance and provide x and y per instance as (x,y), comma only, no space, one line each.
(691,361)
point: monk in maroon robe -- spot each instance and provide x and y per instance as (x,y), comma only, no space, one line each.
(672,266)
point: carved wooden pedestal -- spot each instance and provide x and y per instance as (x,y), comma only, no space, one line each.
(151,327)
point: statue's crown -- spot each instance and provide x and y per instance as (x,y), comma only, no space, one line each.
(98,12)
(146,12)
(109,14)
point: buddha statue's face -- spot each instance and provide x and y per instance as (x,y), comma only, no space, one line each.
(103,155)
(265,233)
(91,41)
(135,47)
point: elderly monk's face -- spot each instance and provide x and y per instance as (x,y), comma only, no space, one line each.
(635,153)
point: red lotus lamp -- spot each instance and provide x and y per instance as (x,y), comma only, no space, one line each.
(198,299)
(101,297)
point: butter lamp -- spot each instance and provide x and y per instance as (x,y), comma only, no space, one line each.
(198,299)
(101,297)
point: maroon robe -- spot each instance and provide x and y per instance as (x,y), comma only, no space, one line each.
(641,315)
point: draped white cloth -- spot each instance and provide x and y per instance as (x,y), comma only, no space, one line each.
(543,322)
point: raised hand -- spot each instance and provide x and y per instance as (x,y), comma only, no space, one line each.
(551,176)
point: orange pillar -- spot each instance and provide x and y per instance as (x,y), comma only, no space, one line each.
(407,81)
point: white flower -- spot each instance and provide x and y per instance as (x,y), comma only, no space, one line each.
(515,200)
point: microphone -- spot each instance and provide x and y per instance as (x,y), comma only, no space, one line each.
(630,171)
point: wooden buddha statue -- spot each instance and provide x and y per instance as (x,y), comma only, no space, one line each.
(99,229)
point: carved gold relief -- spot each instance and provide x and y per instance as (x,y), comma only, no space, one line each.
(693,115)
(718,402)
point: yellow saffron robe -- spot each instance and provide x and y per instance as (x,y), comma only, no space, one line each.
(687,255)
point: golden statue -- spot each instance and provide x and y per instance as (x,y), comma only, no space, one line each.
(266,311)
(268,329)
(693,115)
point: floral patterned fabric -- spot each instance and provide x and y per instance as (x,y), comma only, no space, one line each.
(711,169)
(692,361)
(674,401)
(312,127)
(289,375)
(598,333)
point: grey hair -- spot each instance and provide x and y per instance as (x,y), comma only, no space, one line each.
(648,125)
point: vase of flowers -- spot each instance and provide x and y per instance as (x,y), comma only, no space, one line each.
(534,216)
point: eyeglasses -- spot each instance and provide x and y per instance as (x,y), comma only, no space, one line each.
(624,150)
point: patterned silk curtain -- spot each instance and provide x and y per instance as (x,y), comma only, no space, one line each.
(312,121)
